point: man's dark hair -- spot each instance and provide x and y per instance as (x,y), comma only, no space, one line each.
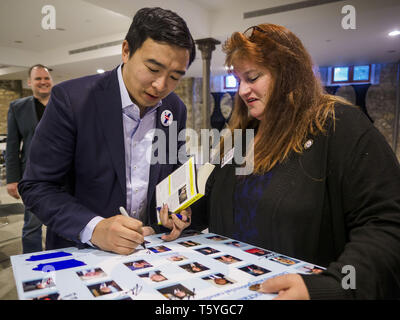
(41,66)
(162,26)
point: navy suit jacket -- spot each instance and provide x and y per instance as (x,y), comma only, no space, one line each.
(76,168)
(22,121)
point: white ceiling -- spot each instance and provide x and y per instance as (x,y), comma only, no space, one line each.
(84,23)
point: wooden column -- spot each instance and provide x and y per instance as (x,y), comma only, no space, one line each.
(206,46)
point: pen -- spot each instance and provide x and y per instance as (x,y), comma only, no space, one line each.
(124,213)
(177,214)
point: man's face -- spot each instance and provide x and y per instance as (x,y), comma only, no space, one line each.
(40,82)
(153,71)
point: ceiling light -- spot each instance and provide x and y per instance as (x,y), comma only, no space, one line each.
(394,33)
(100,70)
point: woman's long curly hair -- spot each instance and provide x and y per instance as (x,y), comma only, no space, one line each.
(297,106)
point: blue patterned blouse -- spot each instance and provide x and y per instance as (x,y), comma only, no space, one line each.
(248,192)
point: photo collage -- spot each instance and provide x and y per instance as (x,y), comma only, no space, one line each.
(198,266)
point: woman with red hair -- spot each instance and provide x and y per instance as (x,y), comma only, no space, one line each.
(325,186)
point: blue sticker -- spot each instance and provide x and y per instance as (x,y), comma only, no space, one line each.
(59,265)
(49,256)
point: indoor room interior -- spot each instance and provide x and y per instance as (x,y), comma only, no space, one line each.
(355,46)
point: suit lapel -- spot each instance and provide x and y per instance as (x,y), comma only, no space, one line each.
(155,169)
(109,107)
(33,114)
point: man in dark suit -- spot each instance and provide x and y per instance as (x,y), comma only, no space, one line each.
(90,151)
(23,116)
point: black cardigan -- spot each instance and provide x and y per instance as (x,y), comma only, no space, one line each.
(336,204)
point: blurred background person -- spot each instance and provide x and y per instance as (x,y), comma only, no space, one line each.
(23,116)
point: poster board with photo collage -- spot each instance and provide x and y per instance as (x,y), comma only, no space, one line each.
(201,266)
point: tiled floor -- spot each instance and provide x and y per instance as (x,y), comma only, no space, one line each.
(10,244)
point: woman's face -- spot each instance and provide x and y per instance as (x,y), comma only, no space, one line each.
(255,85)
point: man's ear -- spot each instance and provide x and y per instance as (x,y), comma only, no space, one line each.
(125,51)
(29,82)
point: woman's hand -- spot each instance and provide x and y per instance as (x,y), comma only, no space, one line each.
(288,287)
(174,223)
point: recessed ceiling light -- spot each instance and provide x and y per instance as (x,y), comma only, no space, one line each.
(100,71)
(394,33)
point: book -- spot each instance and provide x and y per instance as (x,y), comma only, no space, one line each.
(183,187)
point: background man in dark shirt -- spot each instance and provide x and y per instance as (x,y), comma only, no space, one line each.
(23,116)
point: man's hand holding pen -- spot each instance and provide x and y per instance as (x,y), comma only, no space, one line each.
(146,231)
(176,222)
(122,234)
(118,234)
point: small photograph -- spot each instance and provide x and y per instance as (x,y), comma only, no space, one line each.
(286,261)
(90,274)
(159,249)
(189,233)
(153,276)
(103,288)
(177,292)
(176,257)
(258,251)
(309,269)
(207,250)
(194,267)
(236,244)
(137,265)
(227,259)
(38,284)
(217,238)
(189,243)
(254,270)
(219,280)
(51,296)
(182,193)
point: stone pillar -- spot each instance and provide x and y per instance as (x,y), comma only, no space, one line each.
(206,46)
(397,110)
